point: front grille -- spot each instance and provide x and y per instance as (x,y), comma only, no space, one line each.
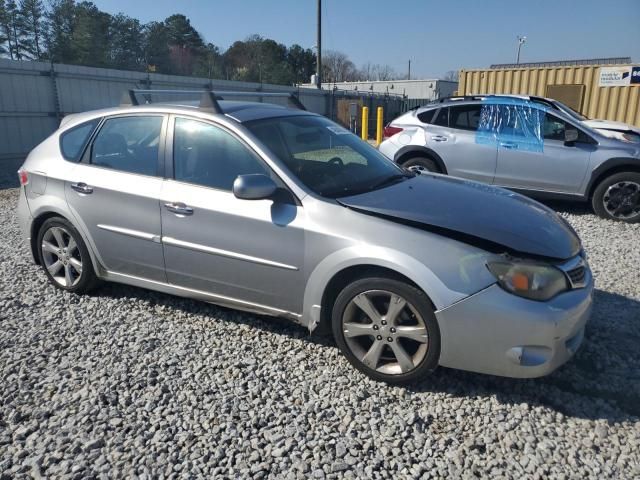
(577,276)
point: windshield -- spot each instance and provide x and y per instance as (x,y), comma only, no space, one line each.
(570,111)
(327,158)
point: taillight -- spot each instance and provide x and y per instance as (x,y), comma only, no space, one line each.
(390,131)
(22,175)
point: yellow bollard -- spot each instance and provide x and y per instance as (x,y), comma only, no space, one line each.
(365,123)
(379,127)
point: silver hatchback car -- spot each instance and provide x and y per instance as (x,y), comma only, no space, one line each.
(527,144)
(282,212)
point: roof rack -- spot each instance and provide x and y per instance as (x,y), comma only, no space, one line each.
(208,98)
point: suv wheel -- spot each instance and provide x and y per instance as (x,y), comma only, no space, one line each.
(387,329)
(618,197)
(64,256)
(421,165)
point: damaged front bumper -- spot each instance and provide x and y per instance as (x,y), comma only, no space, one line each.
(498,333)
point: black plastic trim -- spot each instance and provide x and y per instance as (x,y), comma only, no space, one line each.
(612,164)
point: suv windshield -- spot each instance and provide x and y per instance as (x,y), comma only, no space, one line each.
(570,111)
(327,158)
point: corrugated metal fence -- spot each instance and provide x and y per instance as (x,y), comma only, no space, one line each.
(34,96)
(620,103)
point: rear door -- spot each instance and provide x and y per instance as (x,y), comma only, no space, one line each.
(114,194)
(553,167)
(452,135)
(246,250)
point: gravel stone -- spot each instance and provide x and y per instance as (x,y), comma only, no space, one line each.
(128,383)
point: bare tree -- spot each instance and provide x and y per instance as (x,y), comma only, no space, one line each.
(338,68)
(451,75)
(385,73)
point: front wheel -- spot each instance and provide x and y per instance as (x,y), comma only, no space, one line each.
(618,197)
(387,329)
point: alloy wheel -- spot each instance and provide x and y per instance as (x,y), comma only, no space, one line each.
(622,200)
(61,256)
(394,342)
(418,169)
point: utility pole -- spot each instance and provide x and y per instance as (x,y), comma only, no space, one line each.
(409,74)
(521,41)
(319,45)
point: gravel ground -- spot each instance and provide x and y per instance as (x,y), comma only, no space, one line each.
(127,382)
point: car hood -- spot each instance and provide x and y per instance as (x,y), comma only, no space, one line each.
(489,217)
(611,125)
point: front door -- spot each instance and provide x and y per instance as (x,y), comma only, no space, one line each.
(114,194)
(247,250)
(544,163)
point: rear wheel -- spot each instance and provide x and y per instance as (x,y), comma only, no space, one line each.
(387,329)
(618,197)
(421,165)
(64,256)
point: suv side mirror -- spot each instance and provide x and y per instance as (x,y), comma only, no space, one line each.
(254,187)
(570,136)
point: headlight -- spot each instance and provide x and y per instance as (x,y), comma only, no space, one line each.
(530,280)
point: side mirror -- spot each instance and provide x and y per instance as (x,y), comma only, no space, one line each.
(570,136)
(254,187)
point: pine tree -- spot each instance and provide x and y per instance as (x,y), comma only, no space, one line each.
(59,31)
(32,18)
(4,38)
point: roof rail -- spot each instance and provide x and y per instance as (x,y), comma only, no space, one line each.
(208,98)
(462,97)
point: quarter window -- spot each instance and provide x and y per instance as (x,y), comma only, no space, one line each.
(72,141)
(427,116)
(129,144)
(442,118)
(210,156)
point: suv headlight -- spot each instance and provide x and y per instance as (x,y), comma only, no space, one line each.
(530,280)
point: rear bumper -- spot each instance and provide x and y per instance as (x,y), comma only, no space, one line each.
(497,333)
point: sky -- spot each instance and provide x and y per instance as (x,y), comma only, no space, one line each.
(437,36)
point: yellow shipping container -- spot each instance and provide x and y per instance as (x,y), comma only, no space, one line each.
(578,86)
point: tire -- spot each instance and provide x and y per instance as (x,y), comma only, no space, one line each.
(618,197)
(371,344)
(64,257)
(421,165)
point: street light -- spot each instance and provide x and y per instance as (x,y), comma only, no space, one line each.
(521,41)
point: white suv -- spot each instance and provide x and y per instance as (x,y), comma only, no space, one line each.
(521,144)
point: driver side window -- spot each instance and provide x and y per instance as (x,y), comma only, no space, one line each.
(207,155)
(553,128)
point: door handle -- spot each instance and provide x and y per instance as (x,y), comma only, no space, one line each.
(438,138)
(82,187)
(179,208)
(509,145)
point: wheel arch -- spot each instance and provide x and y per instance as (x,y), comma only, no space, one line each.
(608,168)
(412,151)
(37,222)
(344,266)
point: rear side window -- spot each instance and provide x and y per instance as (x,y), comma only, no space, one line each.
(442,118)
(73,141)
(427,116)
(465,117)
(128,144)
